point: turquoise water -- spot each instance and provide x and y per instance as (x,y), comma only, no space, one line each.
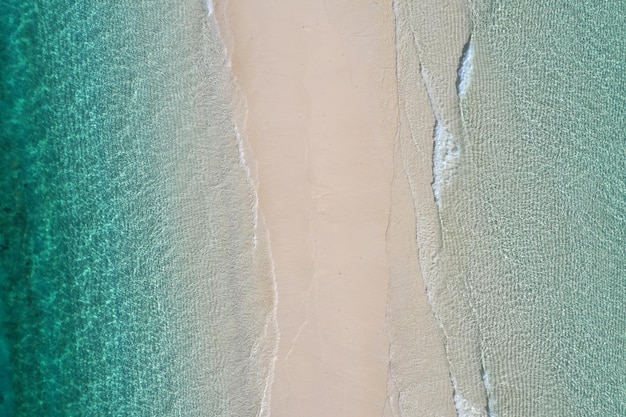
(133,280)
(129,275)
(534,219)
(526,262)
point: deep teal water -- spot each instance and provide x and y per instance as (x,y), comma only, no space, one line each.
(535,218)
(122,203)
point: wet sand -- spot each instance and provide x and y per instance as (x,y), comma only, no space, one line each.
(321,121)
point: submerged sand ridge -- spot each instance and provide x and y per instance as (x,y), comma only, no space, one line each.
(319,80)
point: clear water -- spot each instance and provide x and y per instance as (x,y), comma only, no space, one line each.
(129,275)
(549,180)
(132,277)
(529,282)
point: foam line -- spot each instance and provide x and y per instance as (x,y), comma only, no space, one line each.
(466,67)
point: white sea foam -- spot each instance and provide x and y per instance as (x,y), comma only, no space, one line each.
(271,328)
(243,163)
(267,346)
(488,388)
(209,6)
(464,407)
(445,158)
(466,69)
(271,331)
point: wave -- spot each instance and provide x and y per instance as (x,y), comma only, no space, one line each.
(446,154)
(466,67)
(262,245)
(465,408)
(209,6)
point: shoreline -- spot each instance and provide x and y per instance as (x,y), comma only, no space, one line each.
(418,342)
(435,43)
(320,123)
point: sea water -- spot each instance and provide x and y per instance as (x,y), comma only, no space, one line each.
(132,279)
(530,277)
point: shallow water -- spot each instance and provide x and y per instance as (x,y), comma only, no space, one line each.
(531,270)
(134,279)
(131,282)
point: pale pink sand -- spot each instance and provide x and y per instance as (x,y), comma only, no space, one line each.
(319,81)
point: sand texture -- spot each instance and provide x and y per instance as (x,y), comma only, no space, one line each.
(320,89)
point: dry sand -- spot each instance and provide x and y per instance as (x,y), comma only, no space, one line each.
(319,81)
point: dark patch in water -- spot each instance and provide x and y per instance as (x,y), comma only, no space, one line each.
(460,65)
(482,377)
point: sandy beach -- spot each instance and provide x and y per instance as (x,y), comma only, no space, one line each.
(320,90)
(313,208)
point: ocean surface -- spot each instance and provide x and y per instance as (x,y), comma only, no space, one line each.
(529,278)
(132,279)
(134,272)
